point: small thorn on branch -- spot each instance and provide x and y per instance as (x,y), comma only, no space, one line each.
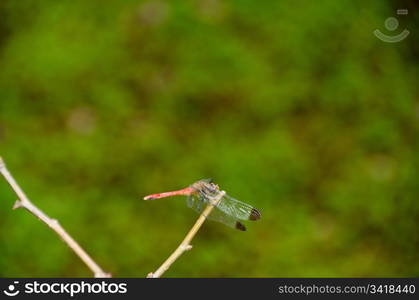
(17,204)
(187,247)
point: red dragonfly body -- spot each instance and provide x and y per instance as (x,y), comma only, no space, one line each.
(186,191)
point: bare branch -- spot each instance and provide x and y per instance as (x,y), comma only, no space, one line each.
(185,245)
(24,202)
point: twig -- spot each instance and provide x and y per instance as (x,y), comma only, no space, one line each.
(24,202)
(185,245)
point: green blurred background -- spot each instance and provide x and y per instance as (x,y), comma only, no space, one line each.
(292,106)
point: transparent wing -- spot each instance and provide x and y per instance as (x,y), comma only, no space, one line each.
(238,209)
(197,203)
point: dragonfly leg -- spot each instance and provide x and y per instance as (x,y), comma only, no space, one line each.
(199,204)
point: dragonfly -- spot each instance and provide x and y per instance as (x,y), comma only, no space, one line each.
(228,210)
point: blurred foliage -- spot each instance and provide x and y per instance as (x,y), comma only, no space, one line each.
(292,106)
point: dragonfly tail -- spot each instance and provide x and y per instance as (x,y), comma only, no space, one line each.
(186,191)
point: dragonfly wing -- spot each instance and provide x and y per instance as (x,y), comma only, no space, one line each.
(197,203)
(220,216)
(238,209)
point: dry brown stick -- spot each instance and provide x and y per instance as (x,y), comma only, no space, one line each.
(185,245)
(24,202)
